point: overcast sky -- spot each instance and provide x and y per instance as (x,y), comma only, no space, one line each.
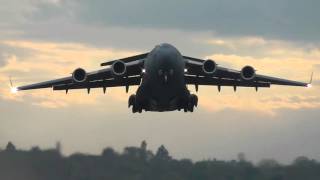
(46,39)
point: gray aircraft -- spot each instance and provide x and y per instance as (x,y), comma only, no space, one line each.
(162,76)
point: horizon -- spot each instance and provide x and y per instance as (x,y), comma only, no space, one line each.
(11,147)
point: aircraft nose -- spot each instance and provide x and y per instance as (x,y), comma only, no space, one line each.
(165,74)
(165,78)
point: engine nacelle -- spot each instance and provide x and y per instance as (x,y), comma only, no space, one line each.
(119,68)
(248,73)
(209,67)
(79,75)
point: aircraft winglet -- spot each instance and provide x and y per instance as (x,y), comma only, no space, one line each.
(311,78)
(310,82)
(10,81)
(12,88)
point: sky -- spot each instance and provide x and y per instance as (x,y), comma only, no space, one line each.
(46,39)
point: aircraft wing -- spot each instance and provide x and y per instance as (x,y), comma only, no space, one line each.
(102,78)
(127,59)
(229,77)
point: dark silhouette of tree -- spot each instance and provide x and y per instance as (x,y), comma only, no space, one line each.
(144,154)
(242,157)
(163,153)
(10,147)
(303,161)
(58,147)
(138,163)
(143,145)
(109,153)
(268,164)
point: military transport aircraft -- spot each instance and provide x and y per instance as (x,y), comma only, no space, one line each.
(162,76)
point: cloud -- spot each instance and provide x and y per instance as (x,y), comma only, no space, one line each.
(272,19)
(53,60)
(270,57)
(3,59)
(12,11)
(113,24)
(247,100)
(262,47)
(49,61)
(265,54)
(316,82)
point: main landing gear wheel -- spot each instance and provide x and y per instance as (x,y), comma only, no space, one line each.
(136,107)
(192,102)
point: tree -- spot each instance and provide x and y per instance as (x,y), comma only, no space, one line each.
(108,152)
(35,149)
(58,147)
(242,157)
(303,161)
(162,153)
(38,164)
(10,147)
(143,150)
(268,163)
(143,145)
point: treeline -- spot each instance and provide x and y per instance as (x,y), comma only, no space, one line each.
(138,163)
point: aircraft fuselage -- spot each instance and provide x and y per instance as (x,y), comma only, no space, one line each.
(163,87)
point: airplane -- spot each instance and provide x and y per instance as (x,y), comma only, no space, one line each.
(162,76)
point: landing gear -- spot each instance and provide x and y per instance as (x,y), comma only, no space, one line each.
(191,103)
(186,104)
(132,100)
(190,107)
(136,106)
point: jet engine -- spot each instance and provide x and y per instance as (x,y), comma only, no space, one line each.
(119,68)
(209,67)
(248,73)
(79,75)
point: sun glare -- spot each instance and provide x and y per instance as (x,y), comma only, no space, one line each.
(14,90)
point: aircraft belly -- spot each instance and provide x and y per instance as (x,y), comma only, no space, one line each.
(163,86)
(164,97)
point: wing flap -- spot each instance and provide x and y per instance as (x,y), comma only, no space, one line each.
(46,84)
(134,68)
(223,82)
(279,81)
(131,81)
